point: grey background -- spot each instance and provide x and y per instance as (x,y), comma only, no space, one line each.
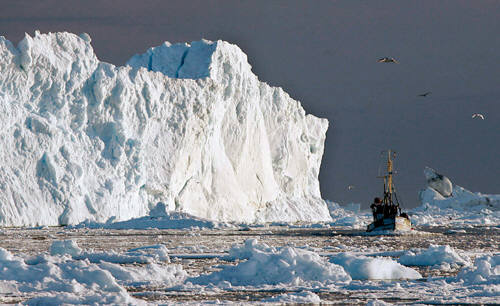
(324,54)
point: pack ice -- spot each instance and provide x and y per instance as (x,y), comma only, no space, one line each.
(188,125)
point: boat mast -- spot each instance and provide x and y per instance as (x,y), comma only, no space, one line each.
(389,174)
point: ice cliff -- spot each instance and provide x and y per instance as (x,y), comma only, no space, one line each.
(188,125)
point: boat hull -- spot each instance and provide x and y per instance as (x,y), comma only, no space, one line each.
(396,223)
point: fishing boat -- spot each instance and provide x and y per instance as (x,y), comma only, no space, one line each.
(387,214)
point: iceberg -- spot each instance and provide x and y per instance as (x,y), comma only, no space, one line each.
(445,203)
(188,125)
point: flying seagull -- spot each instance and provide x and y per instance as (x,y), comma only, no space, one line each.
(388,60)
(425,94)
(350,187)
(477,115)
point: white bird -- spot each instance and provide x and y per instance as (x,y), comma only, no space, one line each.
(388,60)
(350,187)
(477,115)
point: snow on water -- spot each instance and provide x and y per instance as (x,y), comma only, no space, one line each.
(71,276)
(362,267)
(266,265)
(188,125)
(435,255)
(460,207)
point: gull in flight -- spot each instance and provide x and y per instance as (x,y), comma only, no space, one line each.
(477,115)
(388,60)
(425,94)
(350,187)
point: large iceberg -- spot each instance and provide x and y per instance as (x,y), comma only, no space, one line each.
(188,125)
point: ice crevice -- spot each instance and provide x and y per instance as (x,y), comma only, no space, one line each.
(183,58)
(187,125)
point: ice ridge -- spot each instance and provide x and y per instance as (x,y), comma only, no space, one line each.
(188,125)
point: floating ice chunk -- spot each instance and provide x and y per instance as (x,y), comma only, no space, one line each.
(434,255)
(363,267)
(62,247)
(377,303)
(159,251)
(49,274)
(150,274)
(266,265)
(485,270)
(303,297)
(81,278)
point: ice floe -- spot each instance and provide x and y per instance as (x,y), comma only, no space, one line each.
(303,297)
(264,265)
(73,276)
(361,267)
(435,255)
(485,270)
